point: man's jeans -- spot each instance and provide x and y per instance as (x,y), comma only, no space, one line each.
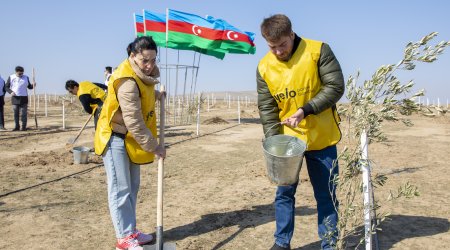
(319,163)
(123,186)
(23,109)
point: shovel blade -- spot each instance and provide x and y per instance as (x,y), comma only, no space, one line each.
(166,246)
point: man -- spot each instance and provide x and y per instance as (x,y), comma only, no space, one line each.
(2,103)
(91,96)
(17,85)
(108,73)
(299,83)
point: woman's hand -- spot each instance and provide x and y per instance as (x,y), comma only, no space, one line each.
(161,93)
(158,94)
(160,151)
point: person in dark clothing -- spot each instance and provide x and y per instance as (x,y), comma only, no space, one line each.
(17,85)
(91,95)
(2,103)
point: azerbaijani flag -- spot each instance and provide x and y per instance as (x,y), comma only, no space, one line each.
(138,25)
(192,32)
(234,40)
(155,26)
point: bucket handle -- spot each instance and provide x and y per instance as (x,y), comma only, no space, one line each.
(278,123)
(270,129)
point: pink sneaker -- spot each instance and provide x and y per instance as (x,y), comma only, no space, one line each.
(142,237)
(128,243)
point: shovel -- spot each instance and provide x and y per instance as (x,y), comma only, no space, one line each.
(160,245)
(71,141)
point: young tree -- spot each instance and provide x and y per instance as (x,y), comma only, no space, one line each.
(381,98)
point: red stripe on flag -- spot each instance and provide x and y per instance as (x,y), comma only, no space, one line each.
(139,27)
(200,31)
(155,26)
(235,36)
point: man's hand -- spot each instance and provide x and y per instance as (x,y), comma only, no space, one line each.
(13,94)
(294,119)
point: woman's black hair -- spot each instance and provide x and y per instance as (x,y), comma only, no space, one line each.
(129,49)
(142,43)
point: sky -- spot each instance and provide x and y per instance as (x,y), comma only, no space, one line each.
(76,39)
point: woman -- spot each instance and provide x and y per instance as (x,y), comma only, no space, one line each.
(126,137)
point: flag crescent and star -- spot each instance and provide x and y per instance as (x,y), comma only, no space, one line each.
(193,30)
(229,35)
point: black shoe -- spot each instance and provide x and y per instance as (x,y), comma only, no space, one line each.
(16,129)
(24,129)
(276,247)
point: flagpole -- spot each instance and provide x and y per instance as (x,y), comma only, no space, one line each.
(184,94)
(196,73)
(176,86)
(167,39)
(192,81)
(143,17)
(135,26)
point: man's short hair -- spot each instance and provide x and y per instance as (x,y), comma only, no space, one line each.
(275,27)
(70,84)
(19,69)
(109,69)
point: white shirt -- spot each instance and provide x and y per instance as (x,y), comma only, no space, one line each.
(19,85)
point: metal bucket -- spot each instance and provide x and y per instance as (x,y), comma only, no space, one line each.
(81,155)
(284,157)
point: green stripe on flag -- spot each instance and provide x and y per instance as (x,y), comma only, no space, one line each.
(158,37)
(237,47)
(179,40)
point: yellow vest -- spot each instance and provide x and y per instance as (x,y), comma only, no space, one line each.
(93,90)
(293,84)
(111,105)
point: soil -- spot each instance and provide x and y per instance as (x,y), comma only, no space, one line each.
(216,196)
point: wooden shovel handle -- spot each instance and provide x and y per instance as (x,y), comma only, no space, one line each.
(82,128)
(159,203)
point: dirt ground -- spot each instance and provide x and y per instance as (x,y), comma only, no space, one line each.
(217,195)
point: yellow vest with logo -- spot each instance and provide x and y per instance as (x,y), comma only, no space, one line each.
(93,90)
(111,105)
(293,84)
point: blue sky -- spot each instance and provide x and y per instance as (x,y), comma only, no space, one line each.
(77,39)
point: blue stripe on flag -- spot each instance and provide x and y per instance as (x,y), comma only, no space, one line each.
(153,16)
(227,26)
(138,18)
(193,19)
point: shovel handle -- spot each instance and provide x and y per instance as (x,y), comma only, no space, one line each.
(159,201)
(82,128)
(278,123)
